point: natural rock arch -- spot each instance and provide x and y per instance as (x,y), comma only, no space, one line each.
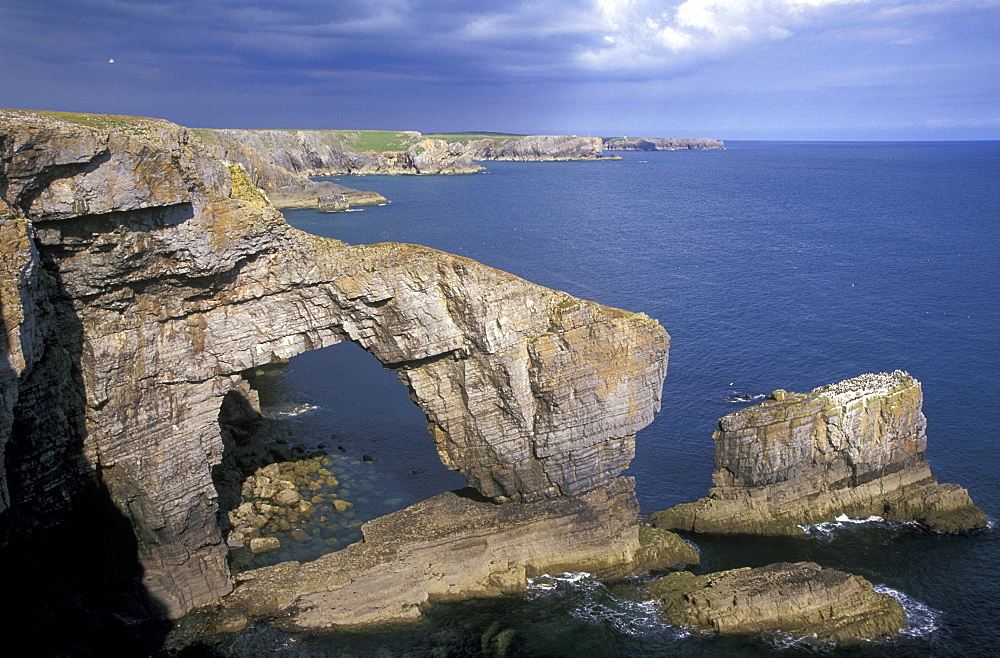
(178,287)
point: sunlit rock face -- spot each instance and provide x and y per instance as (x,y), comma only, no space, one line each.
(856,447)
(142,276)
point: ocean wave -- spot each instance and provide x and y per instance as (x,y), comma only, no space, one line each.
(739,397)
(588,600)
(921,619)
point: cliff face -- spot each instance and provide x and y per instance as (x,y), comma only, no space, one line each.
(660,143)
(141,280)
(856,447)
(280,161)
(535,148)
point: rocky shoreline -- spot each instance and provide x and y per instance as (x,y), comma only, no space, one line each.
(145,275)
(282,162)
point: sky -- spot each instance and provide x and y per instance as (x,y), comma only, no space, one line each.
(727,69)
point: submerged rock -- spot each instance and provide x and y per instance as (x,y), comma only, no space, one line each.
(800,599)
(856,448)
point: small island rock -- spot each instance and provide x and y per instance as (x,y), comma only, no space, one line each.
(799,599)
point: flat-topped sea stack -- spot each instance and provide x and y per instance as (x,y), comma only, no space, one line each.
(856,448)
(142,276)
(801,600)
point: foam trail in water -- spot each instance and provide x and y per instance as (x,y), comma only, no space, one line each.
(921,620)
(297,410)
(589,600)
(825,529)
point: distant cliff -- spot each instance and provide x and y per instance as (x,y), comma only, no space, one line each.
(281,161)
(857,447)
(535,148)
(660,143)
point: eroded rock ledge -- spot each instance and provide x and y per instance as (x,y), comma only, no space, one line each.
(139,283)
(448,547)
(857,447)
(801,600)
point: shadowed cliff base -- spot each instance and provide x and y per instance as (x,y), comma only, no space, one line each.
(73,583)
(77,589)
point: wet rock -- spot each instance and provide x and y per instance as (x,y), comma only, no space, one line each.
(800,599)
(435,550)
(287,497)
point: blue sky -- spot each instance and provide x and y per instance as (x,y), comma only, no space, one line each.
(730,69)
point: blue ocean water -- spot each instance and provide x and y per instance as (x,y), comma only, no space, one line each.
(772,265)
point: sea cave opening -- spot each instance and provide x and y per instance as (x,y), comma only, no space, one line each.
(334,442)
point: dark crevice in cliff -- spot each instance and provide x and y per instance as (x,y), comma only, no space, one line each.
(72,555)
(412,364)
(83,229)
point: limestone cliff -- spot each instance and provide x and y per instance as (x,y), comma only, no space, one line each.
(141,280)
(535,148)
(280,161)
(660,143)
(856,447)
(802,600)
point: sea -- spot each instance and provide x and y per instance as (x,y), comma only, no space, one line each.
(772,265)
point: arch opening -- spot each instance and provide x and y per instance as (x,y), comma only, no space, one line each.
(338,434)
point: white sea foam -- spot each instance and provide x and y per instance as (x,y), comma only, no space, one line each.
(825,529)
(297,410)
(921,620)
(784,641)
(591,601)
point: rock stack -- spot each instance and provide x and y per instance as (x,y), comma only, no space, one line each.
(856,447)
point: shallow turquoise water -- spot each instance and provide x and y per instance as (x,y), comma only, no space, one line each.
(772,265)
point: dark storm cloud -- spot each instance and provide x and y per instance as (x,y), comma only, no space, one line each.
(561,63)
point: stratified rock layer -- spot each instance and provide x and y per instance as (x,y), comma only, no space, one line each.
(445,548)
(140,282)
(856,448)
(800,599)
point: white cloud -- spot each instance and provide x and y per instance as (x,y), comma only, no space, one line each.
(643,33)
